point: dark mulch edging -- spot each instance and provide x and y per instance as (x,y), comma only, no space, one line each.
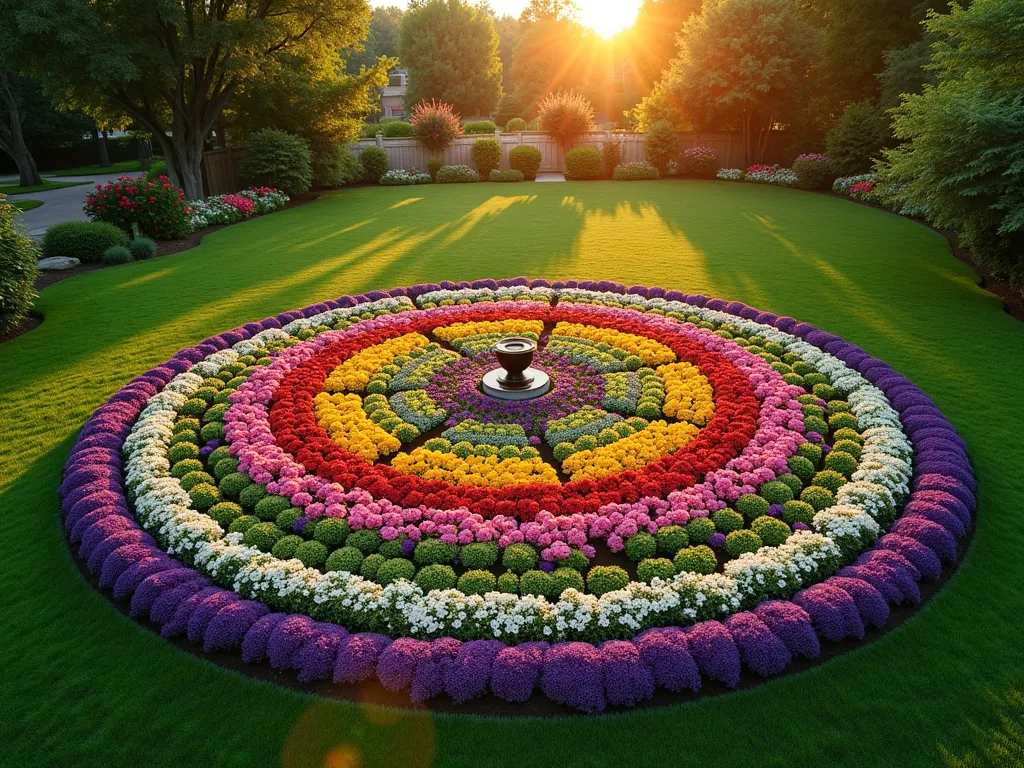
(31,322)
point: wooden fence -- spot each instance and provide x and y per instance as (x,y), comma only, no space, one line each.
(409,153)
(220,170)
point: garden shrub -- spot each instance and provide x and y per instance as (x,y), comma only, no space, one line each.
(814,171)
(655,567)
(477,582)
(480,555)
(565,116)
(477,127)
(515,125)
(519,558)
(369,130)
(525,159)
(606,578)
(278,159)
(156,170)
(156,208)
(537,583)
(435,125)
(635,172)
(394,569)
(582,164)
(506,176)
(962,145)
(486,154)
(86,241)
(730,174)
(672,169)
(660,144)
(335,165)
(700,162)
(375,163)
(142,248)
(117,254)
(396,129)
(436,577)
(640,546)
(434,165)
(611,155)
(740,542)
(18,256)
(699,559)
(671,538)
(345,559)
(457,174)
(857,139)
(434,552)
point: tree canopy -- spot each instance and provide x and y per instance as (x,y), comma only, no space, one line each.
(381,40)
(174,66)
(451,51)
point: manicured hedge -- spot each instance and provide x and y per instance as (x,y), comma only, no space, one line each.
(457,174)
(635,172)
(582,163)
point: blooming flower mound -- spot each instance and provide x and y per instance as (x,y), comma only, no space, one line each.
(707,491)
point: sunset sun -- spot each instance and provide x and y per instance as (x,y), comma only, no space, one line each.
(608,17)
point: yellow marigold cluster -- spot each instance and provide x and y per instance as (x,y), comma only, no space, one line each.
(354,374)
(481,327)
(650,351)
(688,393)
(474,470)
(633,452)
(343,418)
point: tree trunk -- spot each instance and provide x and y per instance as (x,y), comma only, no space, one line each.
(104,153)
(184,160)
(12,140)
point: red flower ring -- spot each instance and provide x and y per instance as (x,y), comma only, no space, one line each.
(735,421)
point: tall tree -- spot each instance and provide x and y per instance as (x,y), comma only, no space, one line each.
(653,36)
(549,56)
(12,117)
(742,64)
(174,65)
(381,40)
(451,51)
(508,31)
(855,39)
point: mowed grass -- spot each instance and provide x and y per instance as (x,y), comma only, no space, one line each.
(83,685)
(14,188)
(123,166)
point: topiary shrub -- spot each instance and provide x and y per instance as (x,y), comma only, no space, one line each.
(436,577)
(671,539)
(582,164)
(486,154)
(537,583)
(508,583)
(525,159)
(434,552)
(396,129)
(814,171)
(611,155)
(727,520)
(565,116)
(797,512)
(510,175)
(18,256)
(480,555)
(751,505)
(434,165)
(699,559)
(476,582)
(701,162)
(655,567)
(515,125)
(332,532)
(660,144)
(567,578)
(857,139)
(117,254)
(457,174)
(773,532)
(635,172)
(640,546)
(700,530)
(345,559)
(740,542)
(278,159)
(394,569)
(86,241)
(313,554)
(435,124)
(519,558)
(375,164)
(478,127)
(602,579)
(142,248)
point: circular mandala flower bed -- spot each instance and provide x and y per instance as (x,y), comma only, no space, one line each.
(707,488)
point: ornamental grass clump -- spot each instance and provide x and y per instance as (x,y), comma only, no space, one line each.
(565,116)
(435,124)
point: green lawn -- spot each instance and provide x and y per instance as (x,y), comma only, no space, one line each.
(13,188)
(83,685)
(26,205)
(125,166)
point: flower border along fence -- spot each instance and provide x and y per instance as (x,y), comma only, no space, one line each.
(410,153)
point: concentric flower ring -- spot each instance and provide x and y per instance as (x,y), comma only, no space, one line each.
(328,491)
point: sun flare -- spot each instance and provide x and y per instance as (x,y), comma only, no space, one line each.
(608,17)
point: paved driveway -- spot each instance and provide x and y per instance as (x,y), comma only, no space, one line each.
(59,204)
